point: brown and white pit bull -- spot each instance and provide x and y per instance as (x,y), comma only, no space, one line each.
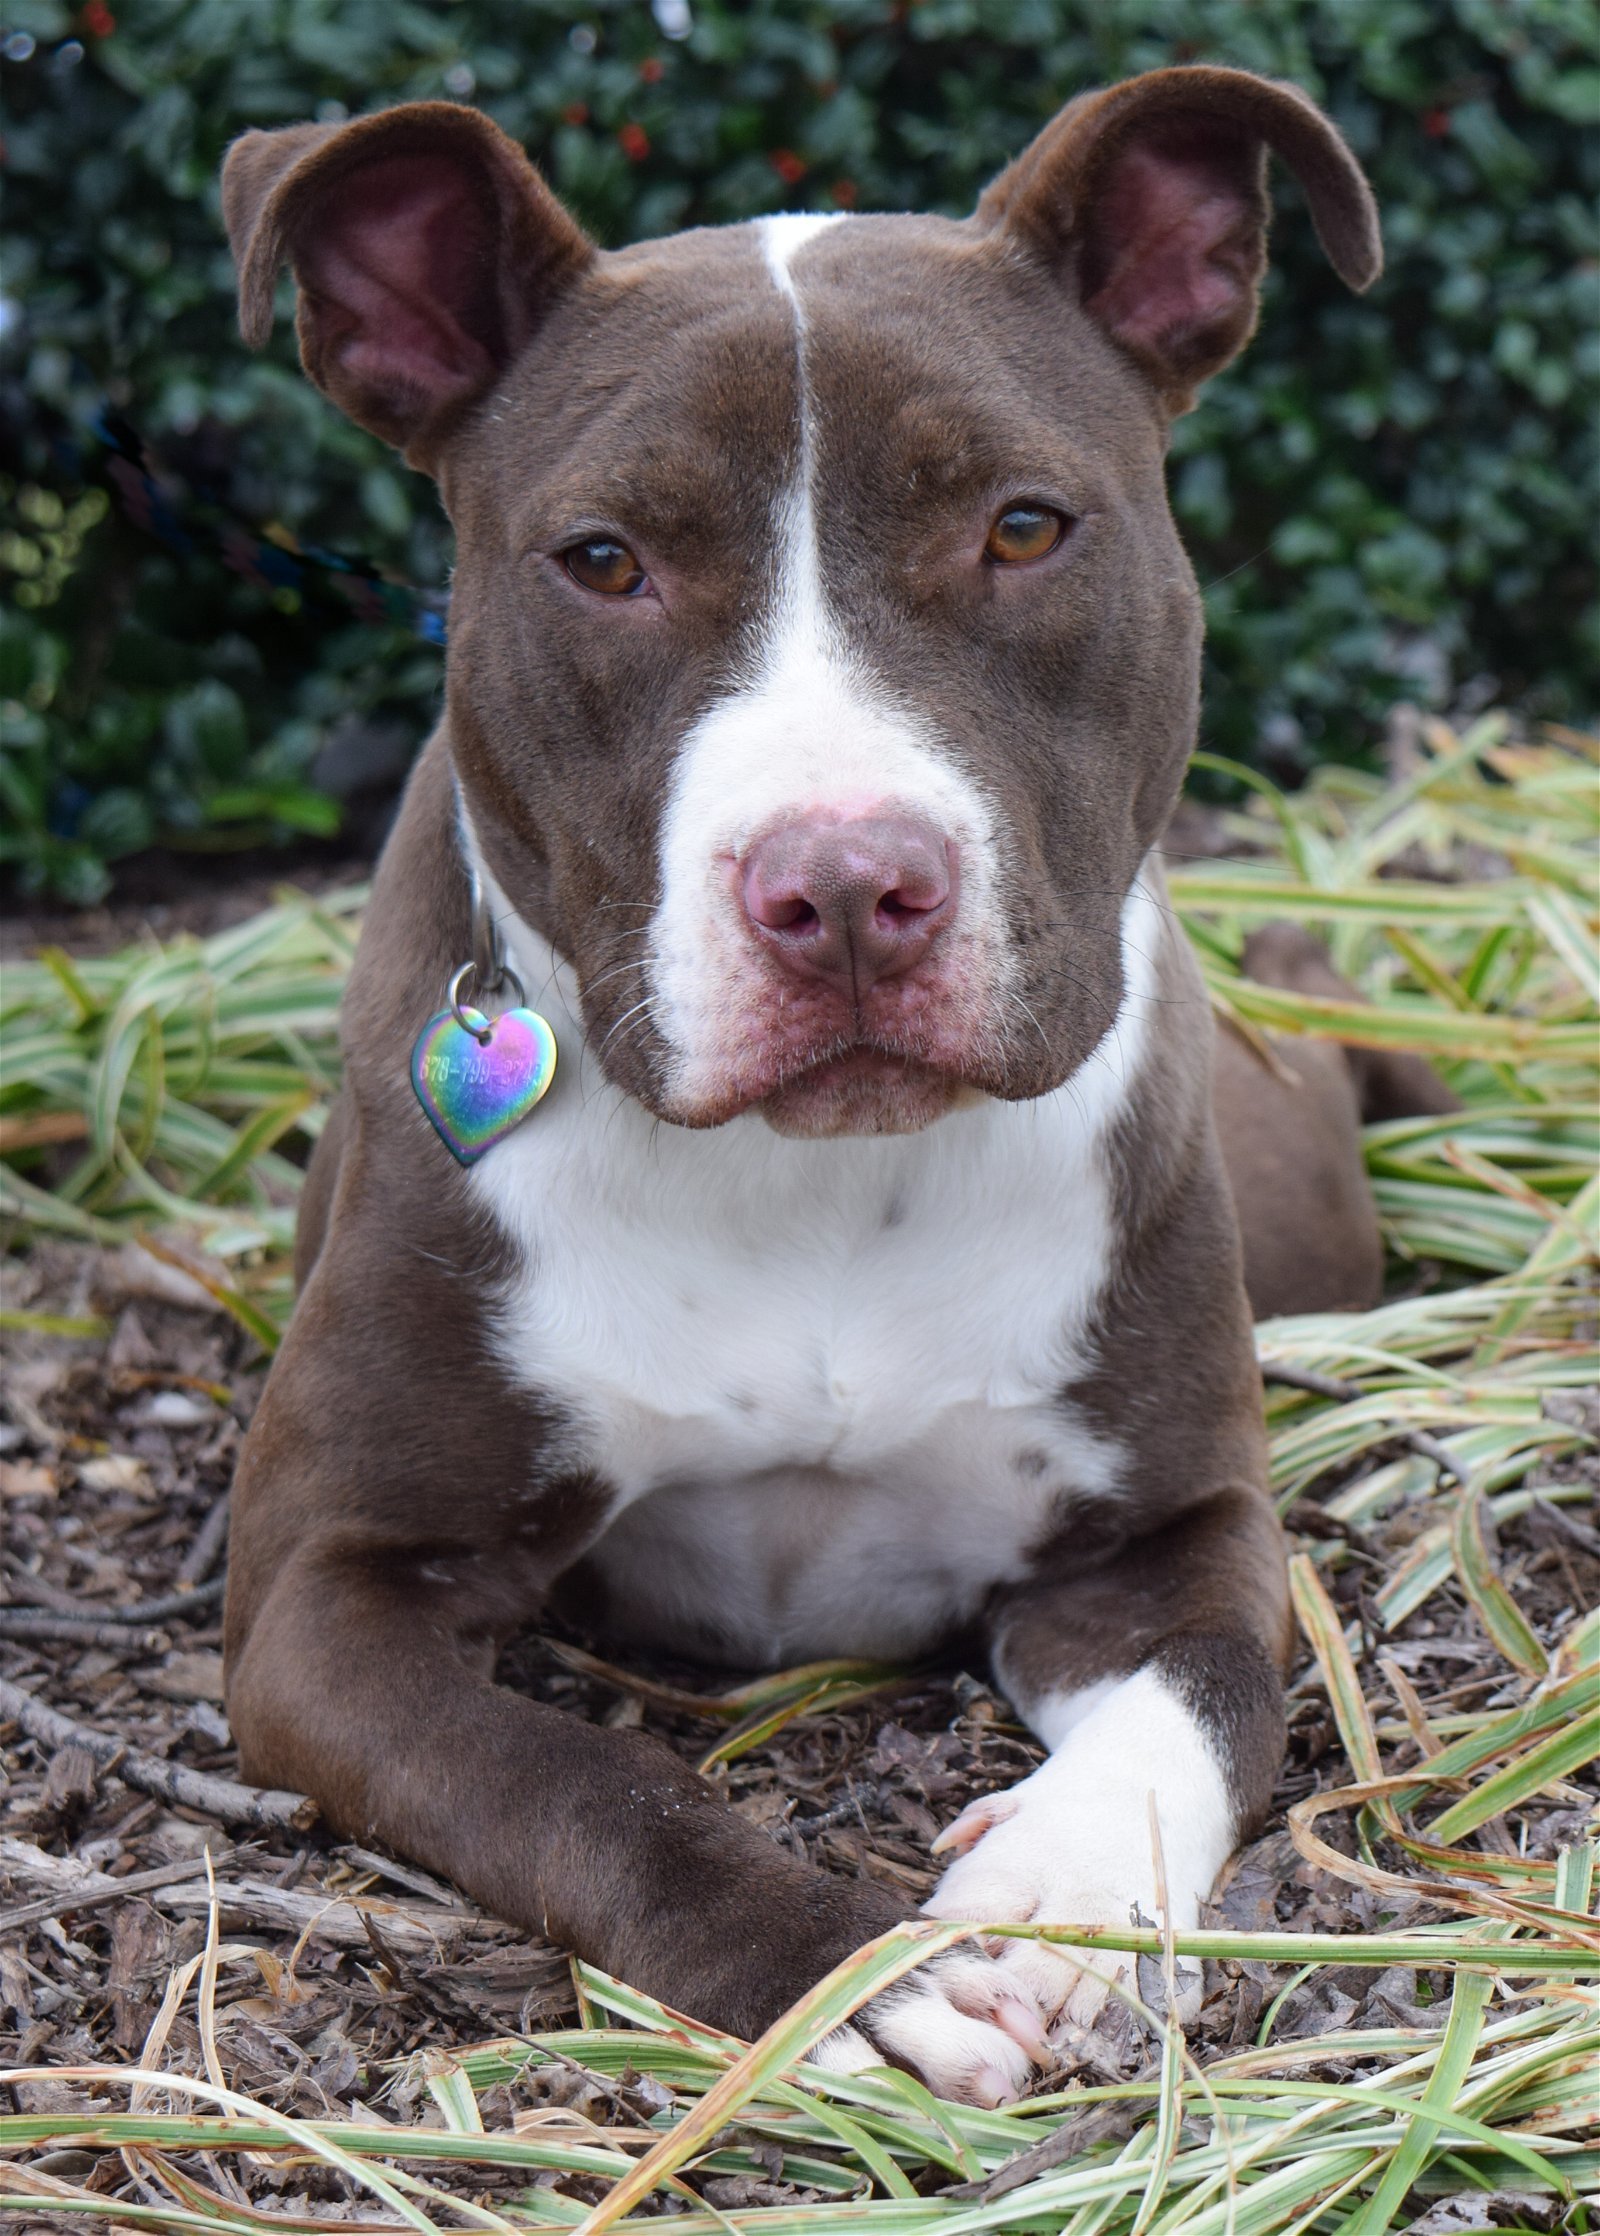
(823,669)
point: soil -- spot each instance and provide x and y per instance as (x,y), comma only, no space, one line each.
(162,895)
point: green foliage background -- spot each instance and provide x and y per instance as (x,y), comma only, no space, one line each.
(1386,497)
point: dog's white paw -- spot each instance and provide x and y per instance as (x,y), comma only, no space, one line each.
(1072,1844)
(961,2022)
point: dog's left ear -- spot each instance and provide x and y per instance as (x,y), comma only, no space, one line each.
(1150,198)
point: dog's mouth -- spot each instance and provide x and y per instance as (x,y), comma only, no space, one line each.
(816,1058)
(839,1086)
(863,1090)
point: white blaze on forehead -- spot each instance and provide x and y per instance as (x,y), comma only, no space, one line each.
(783,237)
(805,727)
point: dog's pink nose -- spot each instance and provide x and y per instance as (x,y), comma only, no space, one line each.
(853,901)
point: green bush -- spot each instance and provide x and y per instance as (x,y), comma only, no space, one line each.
(1385,497)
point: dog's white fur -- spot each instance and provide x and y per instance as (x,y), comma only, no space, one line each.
(782,239)
(1075,1843)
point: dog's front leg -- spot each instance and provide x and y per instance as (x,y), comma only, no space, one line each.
(371,1690)
(1154,1678)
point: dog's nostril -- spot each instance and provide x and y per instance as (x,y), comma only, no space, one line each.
(784,912)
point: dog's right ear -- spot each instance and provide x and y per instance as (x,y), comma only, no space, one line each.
(426,248)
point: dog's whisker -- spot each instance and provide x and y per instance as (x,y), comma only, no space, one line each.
(617,970)
(640,1008)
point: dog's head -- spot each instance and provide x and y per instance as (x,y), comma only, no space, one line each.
(824,660)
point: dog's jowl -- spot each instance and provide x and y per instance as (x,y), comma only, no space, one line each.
(823,669)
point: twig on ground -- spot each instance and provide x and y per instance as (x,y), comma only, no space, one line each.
(433,1992)
(1568,1525)
(615,2092)
(179,1891)
(206,1548)
(404,1875)
(1078,2133)
(162,1610)
(849,1811)
(93,1889)
(117,1638)
(41,1127)
(1307,1378)
(344,1919)
(222,1798)
(117,1628)
(1346,1393)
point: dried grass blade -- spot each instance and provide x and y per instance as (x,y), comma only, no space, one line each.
(757,1730)
(1575,1872)
(828,2005)
(253,1321)
(1570,937)
(1169,2099)
(303,2135)
(68,976)
(855,2137)
(1325,1636)
(1499,1613)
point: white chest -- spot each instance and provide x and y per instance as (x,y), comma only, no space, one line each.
(822,1378)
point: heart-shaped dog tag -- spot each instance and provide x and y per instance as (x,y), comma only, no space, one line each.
(476,1090)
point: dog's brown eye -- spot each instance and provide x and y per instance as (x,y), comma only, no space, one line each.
(1024,532)
(610,568)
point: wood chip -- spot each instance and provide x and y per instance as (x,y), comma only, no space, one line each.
(26,1479)
(191,1676)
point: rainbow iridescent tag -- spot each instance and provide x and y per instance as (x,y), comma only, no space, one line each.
(479,1079)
